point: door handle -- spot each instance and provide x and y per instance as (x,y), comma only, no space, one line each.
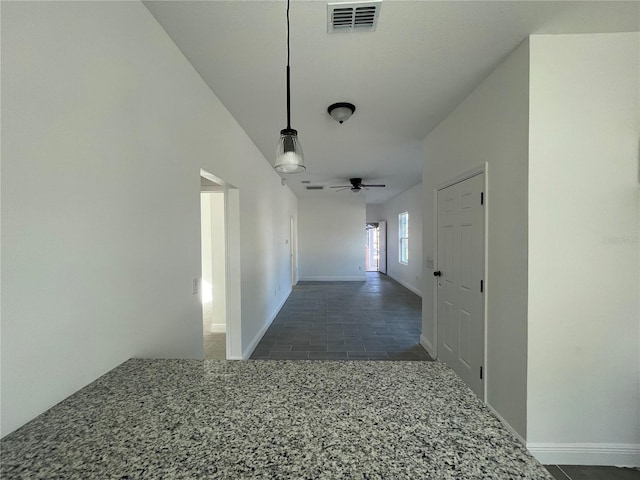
(437,273)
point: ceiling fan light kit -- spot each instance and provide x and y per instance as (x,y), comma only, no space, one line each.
(341,111)
(289,155)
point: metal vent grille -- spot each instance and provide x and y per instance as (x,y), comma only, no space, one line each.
(315,187)
(350,17)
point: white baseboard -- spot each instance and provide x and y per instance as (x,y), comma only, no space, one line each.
(246,354)
(406,285)
(506,424)
(427,346)
(217,328)
(614,454)
(362,278)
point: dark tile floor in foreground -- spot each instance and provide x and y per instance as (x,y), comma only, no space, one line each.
(374,320)
(580,472)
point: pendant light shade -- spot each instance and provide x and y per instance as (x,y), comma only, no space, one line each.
(289,156)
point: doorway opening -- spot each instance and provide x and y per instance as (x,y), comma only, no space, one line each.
(376,247)
(372,253)
(220,259)
(213,283)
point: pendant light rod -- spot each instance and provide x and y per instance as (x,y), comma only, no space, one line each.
(288,101)
(289,156)
(288,74)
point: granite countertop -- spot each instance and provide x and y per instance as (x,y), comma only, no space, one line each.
(190,419)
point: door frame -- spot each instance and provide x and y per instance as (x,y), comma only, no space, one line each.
(232,263)
(479,170)
(386,245)
(293,250)
(368,250)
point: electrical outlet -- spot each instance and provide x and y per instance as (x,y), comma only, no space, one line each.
(196,286)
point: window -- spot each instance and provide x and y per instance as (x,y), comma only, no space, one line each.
(403,231)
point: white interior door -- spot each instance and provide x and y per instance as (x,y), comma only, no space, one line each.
(460,281)
(382,246)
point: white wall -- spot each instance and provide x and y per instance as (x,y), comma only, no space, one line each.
(491,125)
(105,128)
(584,274)
(375,212)
(409,275)
(332,238)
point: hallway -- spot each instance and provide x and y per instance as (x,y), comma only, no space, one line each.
(375,320)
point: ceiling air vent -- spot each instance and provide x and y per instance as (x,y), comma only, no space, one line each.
(315,187)
(354,16)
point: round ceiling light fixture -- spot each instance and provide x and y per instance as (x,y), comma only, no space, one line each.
(341,111)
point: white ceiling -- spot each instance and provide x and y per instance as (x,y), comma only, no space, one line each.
(423,59)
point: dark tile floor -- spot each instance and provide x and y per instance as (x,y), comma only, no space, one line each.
(581,472)
(374,320)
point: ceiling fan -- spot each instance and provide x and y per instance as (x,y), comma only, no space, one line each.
(357,185)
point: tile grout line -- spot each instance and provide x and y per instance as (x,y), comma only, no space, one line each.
(563,472)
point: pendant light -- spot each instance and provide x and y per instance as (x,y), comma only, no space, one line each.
(289,156)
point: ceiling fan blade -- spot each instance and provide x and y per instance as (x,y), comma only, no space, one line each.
(341,186)
(363,185)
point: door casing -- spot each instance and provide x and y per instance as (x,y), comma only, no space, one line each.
(382,246)
(232,265)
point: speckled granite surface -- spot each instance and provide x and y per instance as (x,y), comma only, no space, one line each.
(180,419)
